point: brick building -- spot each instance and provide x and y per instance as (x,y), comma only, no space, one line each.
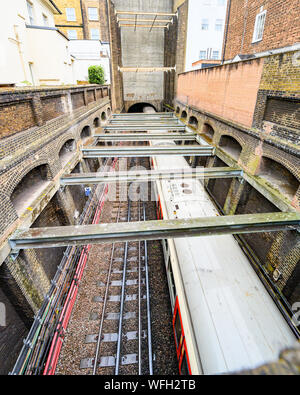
(83,19)
(256,26)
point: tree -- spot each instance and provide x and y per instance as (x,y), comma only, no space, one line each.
(96,75)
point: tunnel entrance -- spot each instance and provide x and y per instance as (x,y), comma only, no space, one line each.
(139,107)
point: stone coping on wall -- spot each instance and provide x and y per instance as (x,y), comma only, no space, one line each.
(45,89)
(37,136)
(290,148)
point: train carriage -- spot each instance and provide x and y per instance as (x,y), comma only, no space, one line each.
(224,319)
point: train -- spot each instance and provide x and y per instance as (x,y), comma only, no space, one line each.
(224,319)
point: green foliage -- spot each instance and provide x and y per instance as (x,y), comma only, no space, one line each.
(96,75)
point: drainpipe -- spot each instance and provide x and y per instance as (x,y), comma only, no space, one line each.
(84,21)
(226,32)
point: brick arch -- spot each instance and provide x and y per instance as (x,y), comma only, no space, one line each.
(239,139)
(63,139)
(81,129)
(283,160)
(16,177)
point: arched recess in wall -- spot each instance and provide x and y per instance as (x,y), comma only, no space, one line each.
(30,187)
(139,107)
(66,151)
(279,177)
(184,114)
(177,110)
(208,131)
(231,146)
(108,111)
(96,122)
(103,116)
(86,132)
(193,121)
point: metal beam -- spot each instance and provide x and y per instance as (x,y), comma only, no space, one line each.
(153,121)
(143,115)
(146,151)
(152,230)
(144,13)
(145,20)
(144,127)
(143,26)
(146,136)
(146,69)
(147,176)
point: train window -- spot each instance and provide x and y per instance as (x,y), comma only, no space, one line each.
(184,369)
(171,282)
(178,329)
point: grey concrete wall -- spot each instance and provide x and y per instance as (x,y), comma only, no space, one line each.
(142,48)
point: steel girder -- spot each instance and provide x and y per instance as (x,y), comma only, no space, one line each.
(146,151)
(147,176)
(152,230)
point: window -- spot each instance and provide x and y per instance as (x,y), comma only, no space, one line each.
(30,13)
(219,25)
(72,34)
(202,55)
(204,24)
(93,14)
(95,34)
(45,20)
(70,12)
(178,330)
(215,55)
(259,26)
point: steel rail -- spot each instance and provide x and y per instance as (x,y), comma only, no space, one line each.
(122,300)
(140,304)
(104,303)
(150,355)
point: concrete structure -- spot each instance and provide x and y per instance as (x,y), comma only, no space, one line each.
(29,38)
(141,47)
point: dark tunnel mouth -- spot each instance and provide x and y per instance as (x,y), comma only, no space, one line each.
(139,107)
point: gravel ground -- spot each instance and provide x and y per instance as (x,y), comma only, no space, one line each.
(86,315)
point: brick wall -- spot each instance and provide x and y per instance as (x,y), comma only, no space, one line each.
(281,27)
(22,109)
(61,20)
(116,60)
(260,193)
(52,107)
(278,98)
(229,91)
(15,117)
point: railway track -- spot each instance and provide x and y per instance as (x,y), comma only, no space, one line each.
(123,344)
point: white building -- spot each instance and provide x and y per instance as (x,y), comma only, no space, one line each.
(90,53)
(33,51)
(205,30)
